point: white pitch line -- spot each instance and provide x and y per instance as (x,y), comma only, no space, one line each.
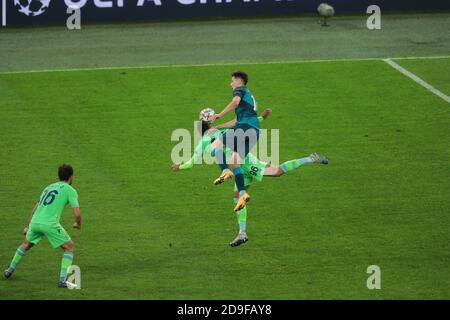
(420,58)
(187,65)
(412,76)
(212,64)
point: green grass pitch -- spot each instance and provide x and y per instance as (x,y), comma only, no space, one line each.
(150,233)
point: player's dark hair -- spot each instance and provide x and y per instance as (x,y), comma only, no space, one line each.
(241,75)
(65,171)
(205,126)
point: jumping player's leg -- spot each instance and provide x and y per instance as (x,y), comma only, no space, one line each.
(273,171)
(250,137)
(220,155)
(240,141)
(278,171)
(232,169)
(297,163)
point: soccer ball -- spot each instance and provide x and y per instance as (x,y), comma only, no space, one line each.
(32,8)
(205,114)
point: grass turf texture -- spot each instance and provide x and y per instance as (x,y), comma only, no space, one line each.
(150,233)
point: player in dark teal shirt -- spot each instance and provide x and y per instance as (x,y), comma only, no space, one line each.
(240,140)
(246,109)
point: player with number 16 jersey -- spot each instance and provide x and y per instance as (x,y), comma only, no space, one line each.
(44,222)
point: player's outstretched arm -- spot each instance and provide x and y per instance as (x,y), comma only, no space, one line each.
(226,125)
(187,165)
(77,214)
(25,230)
(231,106)
(198,152)
(230,124)
(266,113)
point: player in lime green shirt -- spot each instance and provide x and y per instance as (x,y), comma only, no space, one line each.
(44,222)
(253,168)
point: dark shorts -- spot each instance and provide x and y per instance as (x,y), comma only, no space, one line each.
(241,139)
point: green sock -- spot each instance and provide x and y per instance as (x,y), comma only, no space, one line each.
(20,252)
(242,219)
(294,164)
(66,262)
